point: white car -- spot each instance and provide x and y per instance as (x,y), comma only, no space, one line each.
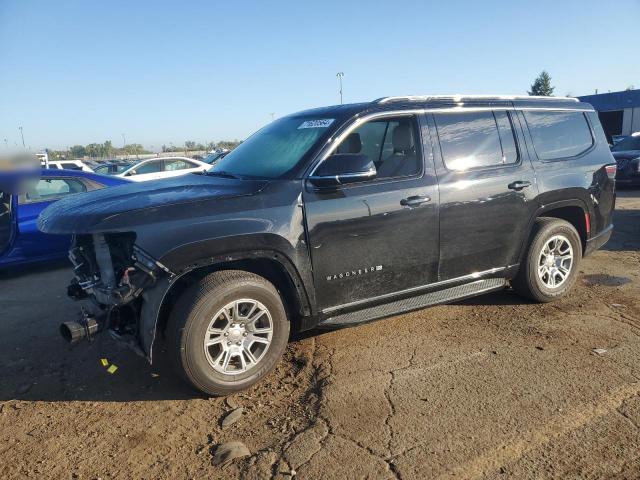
(163,167)
(70,165)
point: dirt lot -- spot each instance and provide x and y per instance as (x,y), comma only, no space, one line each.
(492,387)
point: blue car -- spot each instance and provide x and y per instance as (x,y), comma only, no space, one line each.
(20,240)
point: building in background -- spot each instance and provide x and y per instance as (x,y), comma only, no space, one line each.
(619,112)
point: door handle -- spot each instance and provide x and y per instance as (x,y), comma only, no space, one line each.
(414,201)
(519,185)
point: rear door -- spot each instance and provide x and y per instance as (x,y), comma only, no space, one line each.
(377,237)
(487,190)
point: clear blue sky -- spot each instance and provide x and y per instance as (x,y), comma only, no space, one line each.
(159,71)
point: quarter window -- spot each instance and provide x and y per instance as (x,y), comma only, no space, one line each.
(171,165)
(558,134)
(476,139)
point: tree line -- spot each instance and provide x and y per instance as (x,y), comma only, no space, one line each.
(106,149)
(191,146)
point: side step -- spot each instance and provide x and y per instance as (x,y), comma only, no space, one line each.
(414,303)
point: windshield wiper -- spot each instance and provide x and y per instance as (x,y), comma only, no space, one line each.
(223,174)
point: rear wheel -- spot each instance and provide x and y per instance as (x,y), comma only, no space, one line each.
(228,331)
(550,266)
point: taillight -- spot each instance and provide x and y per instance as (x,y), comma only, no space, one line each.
(611,171)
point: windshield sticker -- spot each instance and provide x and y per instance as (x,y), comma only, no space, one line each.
(321,123)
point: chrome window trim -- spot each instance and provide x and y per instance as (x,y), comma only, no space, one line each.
(386,296)
(333,142)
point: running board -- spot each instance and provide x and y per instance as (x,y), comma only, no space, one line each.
(414,303)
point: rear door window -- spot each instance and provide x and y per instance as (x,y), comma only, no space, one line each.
(558,134)
(471,140)
(149,167)
(70,166)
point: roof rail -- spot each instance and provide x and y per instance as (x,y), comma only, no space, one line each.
(462,98)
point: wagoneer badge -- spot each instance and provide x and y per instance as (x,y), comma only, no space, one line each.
(354,273)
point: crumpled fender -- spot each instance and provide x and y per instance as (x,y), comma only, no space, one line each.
(152,302)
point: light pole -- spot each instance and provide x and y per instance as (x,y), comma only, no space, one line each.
(340,75)
(273,115)
(22,135)
(6,144)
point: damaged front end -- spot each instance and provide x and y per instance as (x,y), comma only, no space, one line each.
(112,272)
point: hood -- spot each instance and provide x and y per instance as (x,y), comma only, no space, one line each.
(626,154)
(104,209)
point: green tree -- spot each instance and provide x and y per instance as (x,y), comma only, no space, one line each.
(229,144)
(542,85)
(107,149)
(77,151)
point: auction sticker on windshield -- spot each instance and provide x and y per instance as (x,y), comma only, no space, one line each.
(320,123)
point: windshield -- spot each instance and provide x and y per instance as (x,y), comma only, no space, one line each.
(274,150)
(629,143)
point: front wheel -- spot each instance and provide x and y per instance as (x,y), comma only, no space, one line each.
(550,267)
(228,331)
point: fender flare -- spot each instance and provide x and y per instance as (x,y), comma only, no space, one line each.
(154,298)
(574,202)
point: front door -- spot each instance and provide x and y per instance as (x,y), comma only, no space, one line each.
(148,170)
(487,191)
(380,236)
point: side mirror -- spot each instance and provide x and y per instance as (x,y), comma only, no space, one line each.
(343,168)
(132,172)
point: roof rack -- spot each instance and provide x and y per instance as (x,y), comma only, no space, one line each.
(462,98)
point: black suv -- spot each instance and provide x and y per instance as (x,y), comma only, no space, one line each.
(341,215)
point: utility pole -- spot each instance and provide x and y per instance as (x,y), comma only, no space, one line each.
(22,135)
(340,75)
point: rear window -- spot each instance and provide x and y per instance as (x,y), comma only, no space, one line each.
(558,134)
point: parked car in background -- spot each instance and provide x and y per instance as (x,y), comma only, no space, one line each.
(618,138)
(113,168)
(20,240)
(627,155)
(164,167)
(70,165)
(341,215)
(213,157)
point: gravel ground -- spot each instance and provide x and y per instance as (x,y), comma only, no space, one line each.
(493,387)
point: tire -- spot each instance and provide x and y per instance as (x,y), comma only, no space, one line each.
(193,315)
(535,284)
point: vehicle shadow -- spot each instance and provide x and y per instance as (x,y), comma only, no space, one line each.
(59,372)
(626,231)
(15,271)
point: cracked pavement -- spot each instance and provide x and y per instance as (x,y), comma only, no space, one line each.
(493,387)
